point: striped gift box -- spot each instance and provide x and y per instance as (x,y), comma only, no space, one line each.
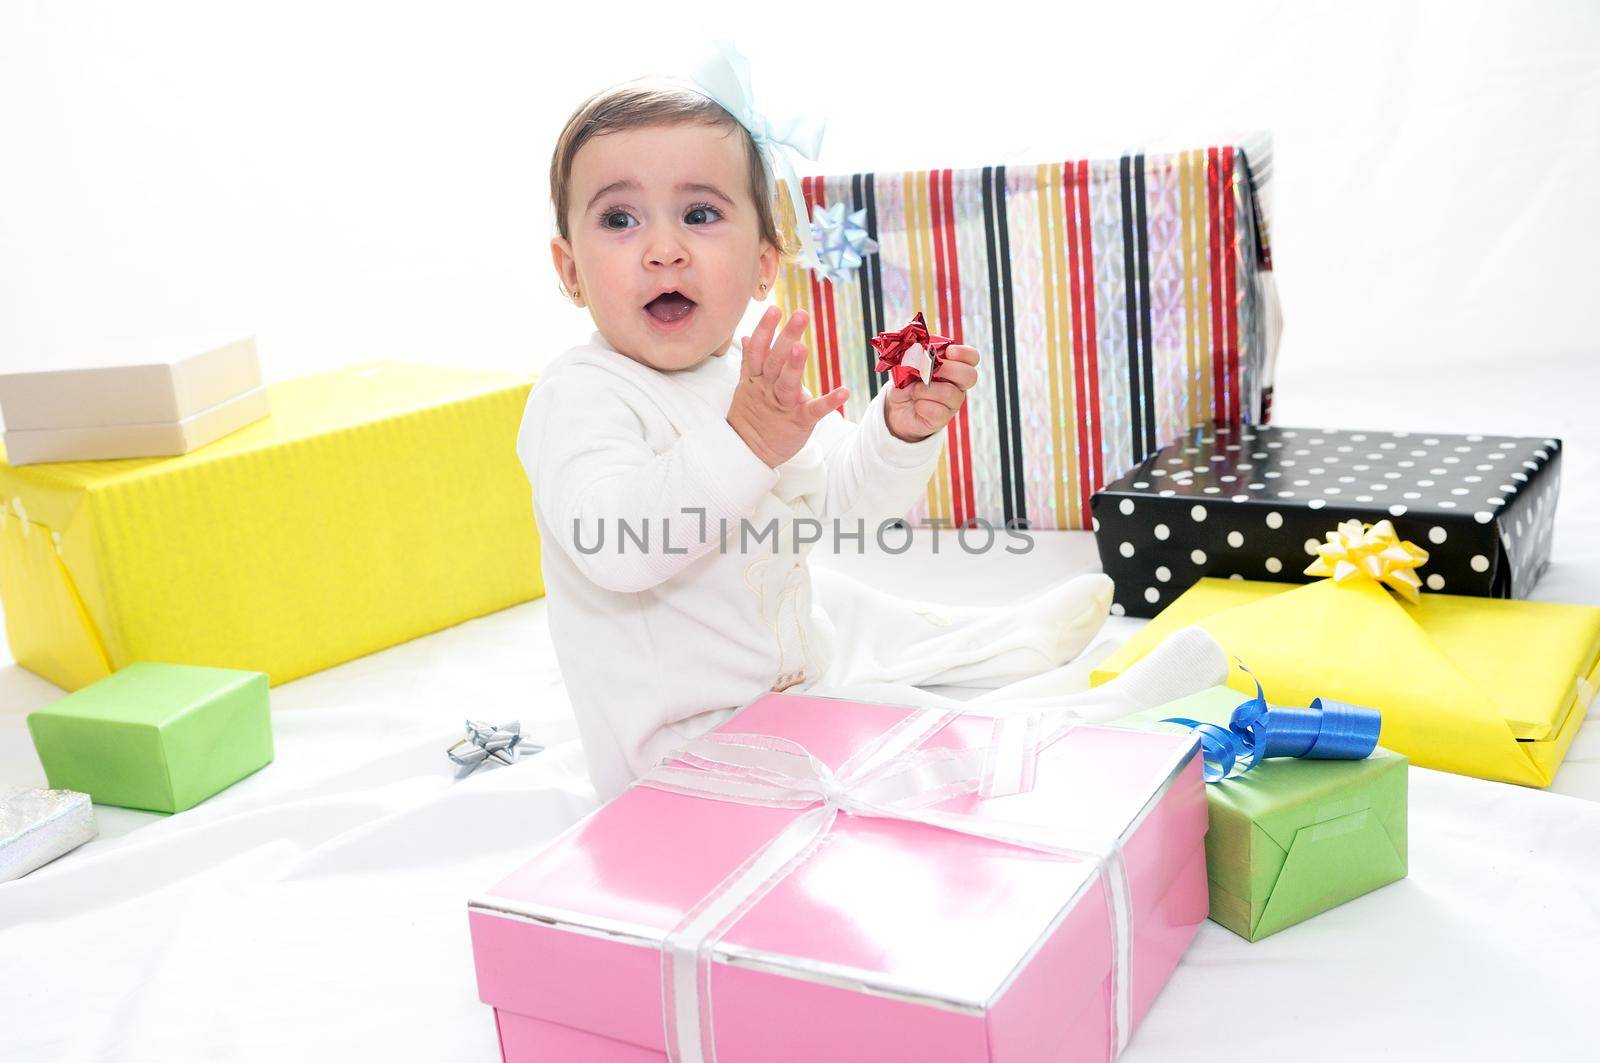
(1116,303)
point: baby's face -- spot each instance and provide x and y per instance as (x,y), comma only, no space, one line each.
(659,210)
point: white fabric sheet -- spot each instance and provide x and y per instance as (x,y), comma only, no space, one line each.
(318,908)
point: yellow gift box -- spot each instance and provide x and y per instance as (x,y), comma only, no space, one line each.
(374,504)
(1490,687)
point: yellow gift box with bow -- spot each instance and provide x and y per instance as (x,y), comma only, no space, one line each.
(373,505)
(1489,687)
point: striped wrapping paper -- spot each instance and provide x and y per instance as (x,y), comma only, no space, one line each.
(1115,304)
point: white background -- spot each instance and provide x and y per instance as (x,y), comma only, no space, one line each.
(351,181)
(358,183)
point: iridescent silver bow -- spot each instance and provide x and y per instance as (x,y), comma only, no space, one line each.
(485,741)
(841,241)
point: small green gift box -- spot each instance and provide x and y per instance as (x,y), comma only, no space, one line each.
(162,737)
(1291,838)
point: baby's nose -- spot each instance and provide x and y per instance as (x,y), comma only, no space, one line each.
(668,253)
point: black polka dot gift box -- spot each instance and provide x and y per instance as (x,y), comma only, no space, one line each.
(1254,502)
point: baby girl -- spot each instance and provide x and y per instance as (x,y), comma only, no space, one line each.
(672,475)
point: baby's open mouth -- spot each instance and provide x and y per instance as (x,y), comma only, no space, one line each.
(670,307)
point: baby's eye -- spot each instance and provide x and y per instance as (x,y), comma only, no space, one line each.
(608,220)
(699,210)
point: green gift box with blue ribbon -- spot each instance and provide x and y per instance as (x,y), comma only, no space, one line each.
(1291,838)
(161,737)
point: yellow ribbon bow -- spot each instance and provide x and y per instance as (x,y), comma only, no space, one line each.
(1371,551)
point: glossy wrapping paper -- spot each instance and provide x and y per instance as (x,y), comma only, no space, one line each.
(889,940)
(1115,303)
(36,826)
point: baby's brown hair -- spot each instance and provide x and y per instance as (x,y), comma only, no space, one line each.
(655,102)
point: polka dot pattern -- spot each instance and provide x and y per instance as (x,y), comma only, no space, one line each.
(1255,504)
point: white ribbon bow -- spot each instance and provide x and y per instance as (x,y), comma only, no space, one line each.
(724,76)
(892,777)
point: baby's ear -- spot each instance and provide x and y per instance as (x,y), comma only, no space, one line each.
(771,259)
(566,265)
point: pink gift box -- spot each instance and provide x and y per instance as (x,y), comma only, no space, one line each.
(889,940)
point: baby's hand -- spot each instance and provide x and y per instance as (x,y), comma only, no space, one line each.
(921,409)
(771,410)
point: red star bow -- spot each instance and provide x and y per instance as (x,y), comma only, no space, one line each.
(904,352)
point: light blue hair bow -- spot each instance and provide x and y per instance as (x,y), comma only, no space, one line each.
(724,76)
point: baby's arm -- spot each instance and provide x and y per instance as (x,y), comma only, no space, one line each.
(586,456)
(870,472)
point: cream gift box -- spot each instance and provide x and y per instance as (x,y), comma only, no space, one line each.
(814,927)
(156,409)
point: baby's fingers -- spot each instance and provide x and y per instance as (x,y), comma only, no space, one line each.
(958,352)
(961,374)
(759,342)
(822,405)
(944,393)
(787,387)
(787,339)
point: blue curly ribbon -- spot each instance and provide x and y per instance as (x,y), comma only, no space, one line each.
(841,241)
(1326,730)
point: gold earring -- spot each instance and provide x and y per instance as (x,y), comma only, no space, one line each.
(763,289)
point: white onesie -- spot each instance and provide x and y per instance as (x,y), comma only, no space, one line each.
(688,625)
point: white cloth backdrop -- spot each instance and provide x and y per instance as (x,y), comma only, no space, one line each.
(318,907)
(355,182)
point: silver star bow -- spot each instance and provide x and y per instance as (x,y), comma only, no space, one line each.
(841,241)
(485,742)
